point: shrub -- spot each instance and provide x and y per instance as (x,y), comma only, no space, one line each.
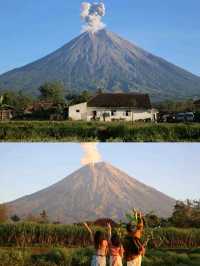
(11,258)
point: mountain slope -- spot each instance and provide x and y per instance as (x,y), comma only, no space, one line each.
(105,60)
(94,191)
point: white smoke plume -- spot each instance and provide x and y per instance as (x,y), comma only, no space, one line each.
(92,15)
(92,154)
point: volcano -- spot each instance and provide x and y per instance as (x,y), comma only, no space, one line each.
(105,60)
(94,191)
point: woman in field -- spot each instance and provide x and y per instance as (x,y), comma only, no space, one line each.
(100,245)
(116,249)
(134,248)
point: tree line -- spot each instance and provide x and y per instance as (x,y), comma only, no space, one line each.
(185,215)
(177,106)
(49,91)
(56,92)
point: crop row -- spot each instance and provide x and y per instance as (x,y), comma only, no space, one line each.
(82,131)
(30,234)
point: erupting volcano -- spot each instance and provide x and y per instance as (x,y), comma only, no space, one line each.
(99,58)
(96,190)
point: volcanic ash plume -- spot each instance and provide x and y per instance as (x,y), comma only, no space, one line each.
(91,155)
(92,15)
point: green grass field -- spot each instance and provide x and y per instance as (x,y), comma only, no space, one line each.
(82,257)
(36,131)
(33,244)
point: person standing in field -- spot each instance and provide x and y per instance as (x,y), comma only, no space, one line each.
(116,249)
(100,245)
(134,249)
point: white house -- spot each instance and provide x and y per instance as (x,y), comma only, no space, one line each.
(113,107)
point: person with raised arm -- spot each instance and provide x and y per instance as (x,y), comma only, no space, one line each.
(134,248)
(100,245)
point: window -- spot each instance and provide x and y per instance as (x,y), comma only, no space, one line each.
(78,111)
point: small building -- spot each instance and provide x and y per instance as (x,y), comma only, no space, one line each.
(6,112)
(39,105)
(115,107)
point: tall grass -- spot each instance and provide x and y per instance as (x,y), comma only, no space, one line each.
(33,234)
(97,131)
(176,238)
(30,234)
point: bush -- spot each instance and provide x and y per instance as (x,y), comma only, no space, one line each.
(195,251)
(55,256)
(11,258)
(63,257)
(82,257)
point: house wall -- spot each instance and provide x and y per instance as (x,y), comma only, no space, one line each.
(82,112)
(5,115)
(78,111)
(121,114)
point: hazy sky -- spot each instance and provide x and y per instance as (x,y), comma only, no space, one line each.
(30,29)
(171,168)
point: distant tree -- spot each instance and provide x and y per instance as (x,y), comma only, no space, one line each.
(10,98)
(59,109)
(84,96)
(17,100)
(15,218)
(23,101)
(1,100)
(53,91)
(152,220)
(181,214)
(3,213)
(164,222)
(186,214)
(176,106)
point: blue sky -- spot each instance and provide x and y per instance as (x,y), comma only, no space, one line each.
(30,29)
(171,168)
